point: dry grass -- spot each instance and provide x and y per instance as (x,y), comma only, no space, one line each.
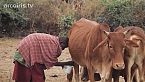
(7,48)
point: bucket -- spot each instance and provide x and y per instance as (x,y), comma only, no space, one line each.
(67,69)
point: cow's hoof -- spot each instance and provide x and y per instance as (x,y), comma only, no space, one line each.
(85,78)
(97,77)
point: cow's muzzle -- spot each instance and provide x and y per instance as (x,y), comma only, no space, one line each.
(119,66)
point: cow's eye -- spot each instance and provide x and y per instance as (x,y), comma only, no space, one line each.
(110,46)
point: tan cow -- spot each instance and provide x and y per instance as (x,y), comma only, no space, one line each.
(91,46)
(134,55)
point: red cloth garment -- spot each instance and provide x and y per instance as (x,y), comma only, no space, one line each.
(33,74)
(40,48)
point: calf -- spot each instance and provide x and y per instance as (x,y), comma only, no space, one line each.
(134,56)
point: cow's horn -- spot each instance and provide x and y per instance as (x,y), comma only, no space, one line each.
(107,33)
(125,32)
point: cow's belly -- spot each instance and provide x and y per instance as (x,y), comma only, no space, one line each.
(77,56)
(77,44)
(77,47)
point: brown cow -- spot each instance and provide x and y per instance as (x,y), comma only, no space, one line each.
(144,68)
(134,56)
(92,47)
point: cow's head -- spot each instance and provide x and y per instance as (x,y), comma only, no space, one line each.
(116,43)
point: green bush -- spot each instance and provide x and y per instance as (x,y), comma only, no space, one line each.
(56,16)
(65,24)
(12,19)
(125,13)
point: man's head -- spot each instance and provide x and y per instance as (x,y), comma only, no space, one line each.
(63,42)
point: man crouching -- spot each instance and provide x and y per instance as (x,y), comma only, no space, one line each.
(35,53)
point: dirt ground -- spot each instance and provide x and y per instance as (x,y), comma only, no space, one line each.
(7,49)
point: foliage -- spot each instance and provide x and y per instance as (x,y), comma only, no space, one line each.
(11,19)
(125,13)
(56,16)
(65,24)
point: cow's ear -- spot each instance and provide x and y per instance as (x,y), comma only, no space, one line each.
(100,44)
(131,43)
(119,29)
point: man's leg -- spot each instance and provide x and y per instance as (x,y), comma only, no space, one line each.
(21,73)
(38,73)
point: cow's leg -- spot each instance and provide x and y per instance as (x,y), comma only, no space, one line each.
(123,73)
(91,73)
(134,73)
(116,78)
(130,64)
(84,74)
(76,69)
(141,73)
(136,76)
(115,75)
(109,79)
(108,74)
(69,76)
